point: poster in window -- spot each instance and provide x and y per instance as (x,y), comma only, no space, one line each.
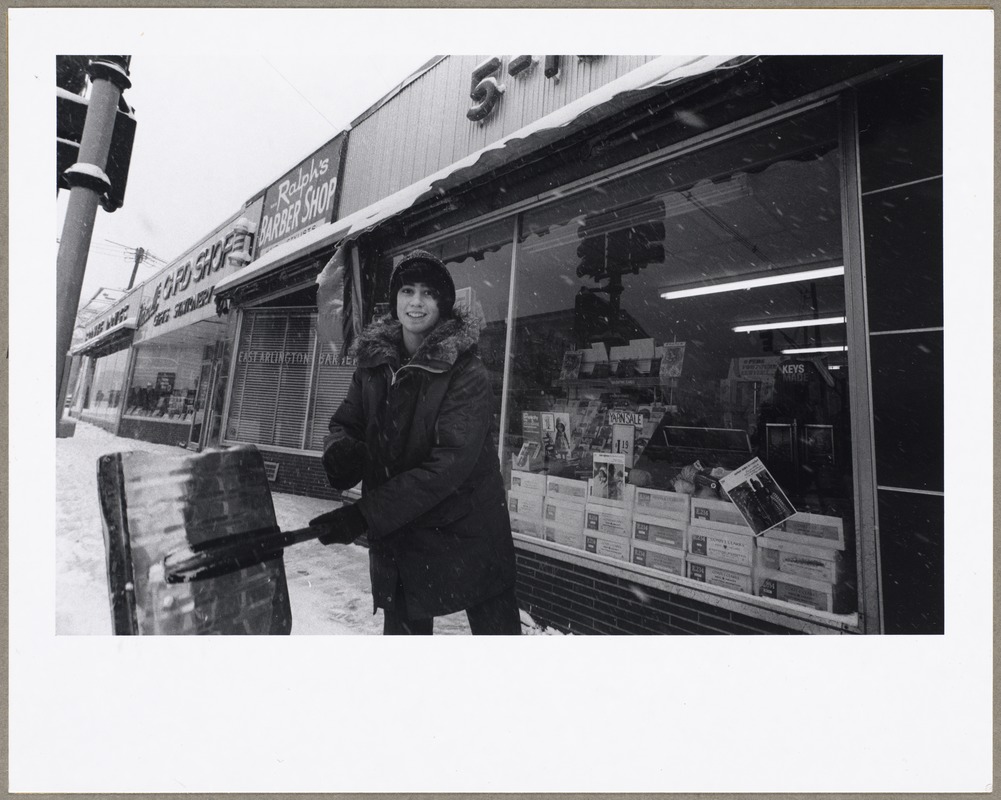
(757,496)
(165,382)
(531,426)
(779,442)
(672,359)
(608,476)
(818,444)
(528,452)
(623,437)
(561,435)
(572,360)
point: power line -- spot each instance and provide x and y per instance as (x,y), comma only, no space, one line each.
(296,89)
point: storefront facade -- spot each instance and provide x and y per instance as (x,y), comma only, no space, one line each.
(101,361)
(680,267)
(178,368)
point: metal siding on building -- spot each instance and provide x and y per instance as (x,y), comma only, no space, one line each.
(424,127)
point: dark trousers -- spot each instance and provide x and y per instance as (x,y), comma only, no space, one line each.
(495,616)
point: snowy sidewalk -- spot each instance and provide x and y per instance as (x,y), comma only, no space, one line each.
(329,587)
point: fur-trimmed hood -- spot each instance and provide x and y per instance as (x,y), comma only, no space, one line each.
(381,342)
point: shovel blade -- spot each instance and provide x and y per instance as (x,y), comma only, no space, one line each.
(153,506)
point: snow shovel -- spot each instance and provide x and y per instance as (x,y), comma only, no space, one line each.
(193,545)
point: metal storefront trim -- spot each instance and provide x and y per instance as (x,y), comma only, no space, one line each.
(861,402)
(760,608)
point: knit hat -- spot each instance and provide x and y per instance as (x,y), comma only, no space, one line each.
(420,266)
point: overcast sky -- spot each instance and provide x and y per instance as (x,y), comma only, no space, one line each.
(212,130)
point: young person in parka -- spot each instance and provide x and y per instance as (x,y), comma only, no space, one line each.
(415,430)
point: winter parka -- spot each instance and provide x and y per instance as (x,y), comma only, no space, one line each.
(417,436)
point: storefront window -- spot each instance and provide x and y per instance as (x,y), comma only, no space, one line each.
(687,319)
(164,383)
(271,382)
(104,398)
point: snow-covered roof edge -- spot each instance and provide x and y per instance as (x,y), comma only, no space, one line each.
(659,72)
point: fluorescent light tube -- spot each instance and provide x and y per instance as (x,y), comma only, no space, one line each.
(753,283)
(802,350)
(793,323)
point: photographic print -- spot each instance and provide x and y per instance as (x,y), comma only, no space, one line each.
(511,261)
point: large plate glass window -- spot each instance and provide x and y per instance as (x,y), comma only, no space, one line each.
(164,382)
(104,399)
(689,318)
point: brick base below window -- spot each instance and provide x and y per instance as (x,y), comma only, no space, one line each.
(301,474)
(578,600)
(155,432)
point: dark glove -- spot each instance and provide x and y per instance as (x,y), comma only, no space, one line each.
(341,526)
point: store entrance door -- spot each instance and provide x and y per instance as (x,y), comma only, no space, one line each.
(203,402)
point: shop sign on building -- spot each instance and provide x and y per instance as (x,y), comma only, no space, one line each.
(184,292)
(116,315)
(124,311)
(303,198)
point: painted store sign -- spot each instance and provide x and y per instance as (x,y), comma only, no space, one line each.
(303,198)
(184,292)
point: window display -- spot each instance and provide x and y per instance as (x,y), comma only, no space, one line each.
(164,383)
(673,326)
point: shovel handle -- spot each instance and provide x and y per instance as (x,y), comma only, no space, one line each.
(221,558)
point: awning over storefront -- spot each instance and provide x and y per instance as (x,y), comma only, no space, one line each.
(582,113)
(107,339)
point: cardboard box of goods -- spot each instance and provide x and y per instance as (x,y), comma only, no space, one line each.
(606,520)
(567,489)
(626,502)
(528,526)
(715,573)
(725,546)
(721,515)
(805,592)
(602,544)
(664,559)
(814,529)
(568,537)
(526,504)
(807,561)
(659,531)
(675,505)
(534,482)
(562,513)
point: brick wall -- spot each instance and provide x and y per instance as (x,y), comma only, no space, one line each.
(300,474)
(155,432)
(578,600)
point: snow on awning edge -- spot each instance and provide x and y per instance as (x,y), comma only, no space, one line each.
(659,72)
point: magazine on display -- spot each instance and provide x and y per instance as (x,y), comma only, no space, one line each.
(757,496)
(608,475)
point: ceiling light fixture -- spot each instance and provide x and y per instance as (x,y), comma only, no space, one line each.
(792,323)
(795,351)
(753,283)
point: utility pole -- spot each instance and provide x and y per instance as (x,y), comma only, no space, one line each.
(88,182)
(140,255)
